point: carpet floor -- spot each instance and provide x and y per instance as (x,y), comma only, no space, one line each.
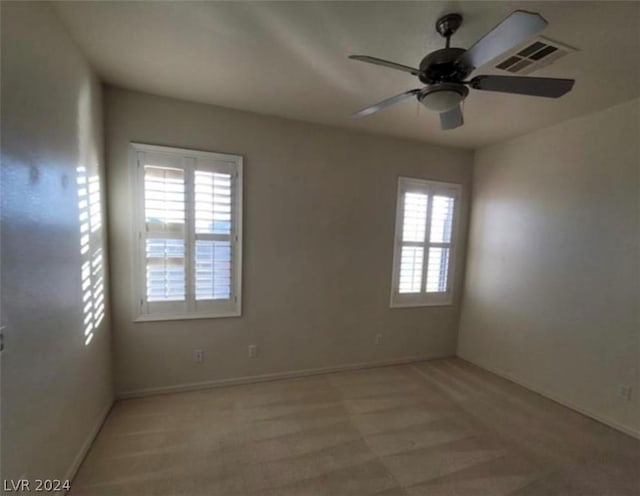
(443,427)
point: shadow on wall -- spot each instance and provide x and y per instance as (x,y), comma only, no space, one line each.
(34,205)
(92,271)
(90,221)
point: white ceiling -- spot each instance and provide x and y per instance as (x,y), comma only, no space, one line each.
(290,59)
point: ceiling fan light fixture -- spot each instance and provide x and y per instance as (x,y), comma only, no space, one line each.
(443,96)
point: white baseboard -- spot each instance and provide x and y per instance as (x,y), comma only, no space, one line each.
(271,377)
(84,449)
(569,404)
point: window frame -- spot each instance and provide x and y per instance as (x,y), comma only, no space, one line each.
(189,163)
(430,188)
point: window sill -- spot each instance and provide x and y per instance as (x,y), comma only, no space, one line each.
(409,300)
(188,316)
(422,304)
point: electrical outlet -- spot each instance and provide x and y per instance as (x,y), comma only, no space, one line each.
(624,391)
(198,356)
(378,339)
(253,351)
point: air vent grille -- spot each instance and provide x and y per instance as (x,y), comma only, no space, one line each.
(534,55)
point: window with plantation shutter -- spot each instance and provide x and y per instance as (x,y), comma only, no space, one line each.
(188,234)
(424,243)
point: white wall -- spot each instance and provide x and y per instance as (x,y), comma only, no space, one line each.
(318,244)
(55,389)
(552,291)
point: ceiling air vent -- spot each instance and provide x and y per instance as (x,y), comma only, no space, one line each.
(534,55)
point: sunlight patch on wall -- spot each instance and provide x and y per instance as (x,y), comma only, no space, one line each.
(92,272)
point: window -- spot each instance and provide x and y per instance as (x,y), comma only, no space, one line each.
(424,243)
(188,233)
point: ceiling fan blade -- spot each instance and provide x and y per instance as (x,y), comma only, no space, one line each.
(385,103)
(518,27)
(534,86)
(451,119)
(385,63)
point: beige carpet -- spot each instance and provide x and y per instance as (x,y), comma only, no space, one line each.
(435,428)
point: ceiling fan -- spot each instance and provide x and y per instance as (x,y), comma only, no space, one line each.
(444,71)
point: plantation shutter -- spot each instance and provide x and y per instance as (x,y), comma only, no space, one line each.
(442,208)
(189,245)
(424,237)
(165,233)
(215,235)
(414,225)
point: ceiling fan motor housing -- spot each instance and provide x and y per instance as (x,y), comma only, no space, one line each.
(443,65)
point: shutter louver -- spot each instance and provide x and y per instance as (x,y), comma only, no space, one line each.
(411,269)
(165,270)
(441,219)
(415,217)
(164,202)
(414,224)
(164,199)
(437,270)
(438,257)
(213,203)
(213,270)
(213,228)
